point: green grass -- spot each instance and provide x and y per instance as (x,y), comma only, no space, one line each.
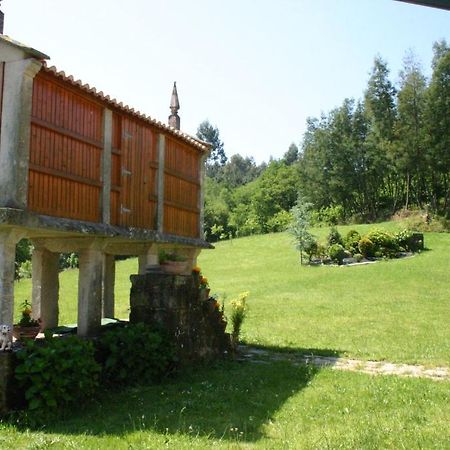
(395,310)
(245,405)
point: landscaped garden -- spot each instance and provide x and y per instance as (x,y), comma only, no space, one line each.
(395,310)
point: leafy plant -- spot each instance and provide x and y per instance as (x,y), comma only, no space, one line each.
(384,242)
(26,320)
(135,353)
(170,256)
(334,237)
(351,240)
(238,313)
(56,373)
(366,247)
(337,253)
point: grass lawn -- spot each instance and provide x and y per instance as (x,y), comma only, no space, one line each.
(395,310)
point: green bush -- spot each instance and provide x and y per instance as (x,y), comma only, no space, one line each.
(311,248)
(334,237)
(337,253)
(351,241)
(385,243)
(134,354)
(366,247)
(56,373)
(279,222)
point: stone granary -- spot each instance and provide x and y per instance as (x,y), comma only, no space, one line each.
(80,172)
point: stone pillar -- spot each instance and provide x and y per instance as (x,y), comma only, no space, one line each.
(15,131)
(106,166)
(150,258)
(161,159)
(8,242)
(90,292)
(109,278)
(45,291)
(191,254)
(201,198)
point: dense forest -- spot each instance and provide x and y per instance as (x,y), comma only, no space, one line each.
(363,161)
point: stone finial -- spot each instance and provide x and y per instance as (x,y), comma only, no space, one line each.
(174,118)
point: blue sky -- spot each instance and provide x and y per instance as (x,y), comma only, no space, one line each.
(255,68)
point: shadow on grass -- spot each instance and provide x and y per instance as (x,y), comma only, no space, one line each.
(231,400)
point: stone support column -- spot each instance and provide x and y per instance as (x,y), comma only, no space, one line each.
(15,131)
(106,166)
(45,291)
(109,278)
(8,240)
(161,162)
(150,258)
(90,291)
(191,254)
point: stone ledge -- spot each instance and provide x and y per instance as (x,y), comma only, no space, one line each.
(41,226)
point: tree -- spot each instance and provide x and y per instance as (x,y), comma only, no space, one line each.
(438,129)
(298,228)
(217,158)
(238,171)
(408,153)
(291,156)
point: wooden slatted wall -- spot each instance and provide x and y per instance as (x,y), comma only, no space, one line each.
(181,189)
(66,148)
(138,169)
(65,152)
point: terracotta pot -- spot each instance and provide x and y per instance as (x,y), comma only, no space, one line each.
(174,267)
(21,333)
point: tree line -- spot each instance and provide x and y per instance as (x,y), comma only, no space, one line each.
(364,160)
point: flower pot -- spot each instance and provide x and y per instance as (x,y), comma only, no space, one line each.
(174,267)
(21,333)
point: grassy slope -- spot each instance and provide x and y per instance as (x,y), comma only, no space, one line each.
(396,310)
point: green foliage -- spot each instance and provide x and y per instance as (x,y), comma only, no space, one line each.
(385,244)
(337,253)
(239,311)
(298,228)
(68,261)
(25,270)
(135,353)
(351,240)
(24,250)
(334,237)
(26,320)
(366,247)
(56,373)
(279,222)
(217,158)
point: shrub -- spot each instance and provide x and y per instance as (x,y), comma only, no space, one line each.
(334,237)
(384,242)
(337,253)
(358,257)
(25,270)
(135,353)
(279,222)
(238,313)
(366,247)
(56,373)
(351,240)
(311,248)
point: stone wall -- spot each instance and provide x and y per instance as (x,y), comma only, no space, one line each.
(175,303)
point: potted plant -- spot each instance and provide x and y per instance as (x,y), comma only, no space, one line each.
(172,262)
(27,328)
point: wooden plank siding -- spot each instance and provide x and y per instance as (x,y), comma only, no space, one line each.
(138,169)
(66,154)
(181,189)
